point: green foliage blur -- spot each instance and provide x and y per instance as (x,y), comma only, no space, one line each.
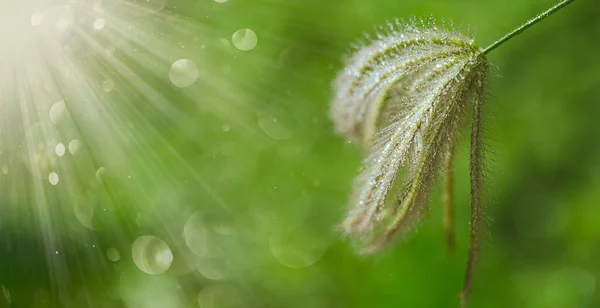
(249,146)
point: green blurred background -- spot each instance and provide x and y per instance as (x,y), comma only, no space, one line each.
(241,180)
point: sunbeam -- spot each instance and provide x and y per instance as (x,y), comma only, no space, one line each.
(84,151)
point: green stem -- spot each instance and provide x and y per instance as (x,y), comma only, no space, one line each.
(526,25)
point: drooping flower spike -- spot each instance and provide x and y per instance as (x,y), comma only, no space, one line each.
(403,97)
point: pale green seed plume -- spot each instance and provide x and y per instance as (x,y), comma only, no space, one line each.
(403,97)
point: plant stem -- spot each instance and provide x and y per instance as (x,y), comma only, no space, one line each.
(526,25)
(448,199)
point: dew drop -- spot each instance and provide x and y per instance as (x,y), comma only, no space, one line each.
(212,268)
(57,111)
(298,248)
(84,211)
(60,149)
(74,146)
(183,73)
(53,178)
(244,39)
(113,254)
(5,169)
(99,23)
(101,174)
(151,255)
(195,235)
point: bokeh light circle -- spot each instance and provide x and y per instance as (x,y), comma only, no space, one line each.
(57,111)
(99,23)
(151,255)
(74,146)
(183,73)
(244,39)
(298,248)
(113,254)
(196,235)
(53,178)
(60,149)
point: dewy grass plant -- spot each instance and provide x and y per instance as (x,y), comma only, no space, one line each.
(403,98)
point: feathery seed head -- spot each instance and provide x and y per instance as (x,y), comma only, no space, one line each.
(402,98)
